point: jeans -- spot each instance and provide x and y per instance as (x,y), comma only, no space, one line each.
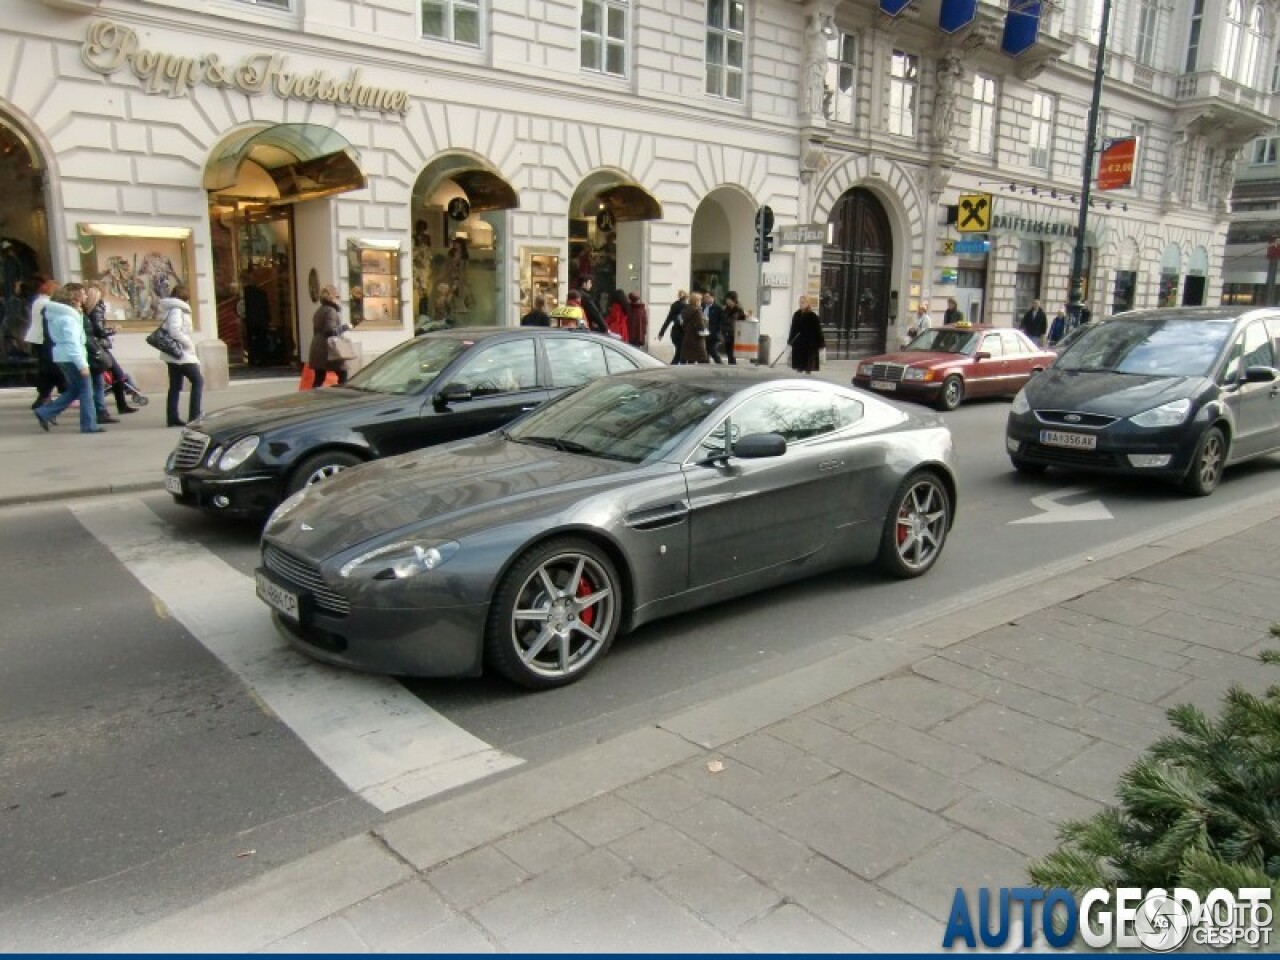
(99,394)
(178,372)
(78,388)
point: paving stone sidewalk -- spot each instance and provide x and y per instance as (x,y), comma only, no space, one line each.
(833,809)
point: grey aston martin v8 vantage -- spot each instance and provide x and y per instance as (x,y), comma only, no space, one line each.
(637,496)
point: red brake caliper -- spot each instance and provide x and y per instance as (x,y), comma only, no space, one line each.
(585,588)
(903,526)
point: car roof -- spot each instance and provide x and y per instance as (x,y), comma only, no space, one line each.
(721,377)
(484,333)
(1204,314)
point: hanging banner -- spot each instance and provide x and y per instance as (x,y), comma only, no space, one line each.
(1115,163)
(1021,27)
(957,14)
(894,7)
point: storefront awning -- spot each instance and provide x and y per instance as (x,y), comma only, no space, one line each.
(621,196)
(305,160)
(485,188)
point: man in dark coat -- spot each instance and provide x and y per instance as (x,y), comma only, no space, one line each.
(715,326)
(805,338)
(953,314)
(677,326)
(538,316)
(1035,324)
(595,318)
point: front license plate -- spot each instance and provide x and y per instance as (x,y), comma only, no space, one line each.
(1060,438)
(277,596)
(173,484)
(883,385)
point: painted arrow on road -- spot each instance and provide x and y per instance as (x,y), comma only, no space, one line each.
(1056,512)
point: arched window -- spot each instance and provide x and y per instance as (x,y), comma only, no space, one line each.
(1247,69)
(1231,36)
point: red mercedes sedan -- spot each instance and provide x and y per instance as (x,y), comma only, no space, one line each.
(945,365)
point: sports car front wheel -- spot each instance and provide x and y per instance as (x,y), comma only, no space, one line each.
(916,527)
(554,615)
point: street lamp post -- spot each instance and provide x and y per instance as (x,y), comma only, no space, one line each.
(1075,299)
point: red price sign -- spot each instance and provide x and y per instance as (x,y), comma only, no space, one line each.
(1115,165)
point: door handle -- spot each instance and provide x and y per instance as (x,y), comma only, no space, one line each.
(830,464)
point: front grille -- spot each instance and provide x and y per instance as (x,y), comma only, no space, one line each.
(190,450)
(299,573)
(1067,418)
(1071,457)
(887,371)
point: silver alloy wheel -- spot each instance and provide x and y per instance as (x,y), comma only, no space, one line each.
(921,525)
(563,613)
(952,393)
(1209,465)
(323,473)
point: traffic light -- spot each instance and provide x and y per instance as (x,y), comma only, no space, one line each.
(768,248)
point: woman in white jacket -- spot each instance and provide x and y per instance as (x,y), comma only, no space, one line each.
(176,310)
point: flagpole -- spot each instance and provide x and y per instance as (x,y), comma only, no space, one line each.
(1075,301)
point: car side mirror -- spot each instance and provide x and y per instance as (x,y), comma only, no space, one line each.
(452,393)
(981,355)
(757,446)
(1261,375)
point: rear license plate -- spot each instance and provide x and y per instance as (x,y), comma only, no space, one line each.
(277,596)
(173,484)
(1060,438)
(883,385)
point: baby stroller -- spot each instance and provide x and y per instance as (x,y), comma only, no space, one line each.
(131,392)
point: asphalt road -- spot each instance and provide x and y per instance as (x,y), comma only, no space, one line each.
(136,767)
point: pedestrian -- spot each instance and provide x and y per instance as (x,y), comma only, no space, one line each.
(922,322)
(100,360)
(729,325)
(1058,329)
(64,314)
(595,319)
(49,375)
(952,314)
(675,324)
(637,320)
(616,319)
(96,312)
(715,326)
(176,311)
(693,349)
(1034,324)
(805,339)
(570,316)
(326,322)
(538,316)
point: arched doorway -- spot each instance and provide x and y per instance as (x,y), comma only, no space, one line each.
(721,254)
(854,295)
(24,232)
(258,180)
(1170,272)
(459,238)
(1193,287)
(606,232)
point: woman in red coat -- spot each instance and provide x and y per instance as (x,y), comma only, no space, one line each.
(616,318)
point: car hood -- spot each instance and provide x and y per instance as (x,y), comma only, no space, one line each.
(1107,393)
(916,358)
(291,408)
(452,488)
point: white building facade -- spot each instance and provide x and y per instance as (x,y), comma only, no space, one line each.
(449,160)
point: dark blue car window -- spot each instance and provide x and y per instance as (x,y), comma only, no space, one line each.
(1150,346)
(408,368)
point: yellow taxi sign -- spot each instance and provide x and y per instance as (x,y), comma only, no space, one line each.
(973,214)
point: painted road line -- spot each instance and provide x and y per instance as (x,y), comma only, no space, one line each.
(384,743)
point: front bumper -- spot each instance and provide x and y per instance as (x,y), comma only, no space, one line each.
(220,493)
(1119,448)
(422,641)
(924,390)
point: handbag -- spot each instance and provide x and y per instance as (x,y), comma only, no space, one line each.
(164,341)
(341,350)
(99,357)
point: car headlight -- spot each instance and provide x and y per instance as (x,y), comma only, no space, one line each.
(238,453)
(864,369)
(1166,415)
(399,560)
(915,373)
(1020,404)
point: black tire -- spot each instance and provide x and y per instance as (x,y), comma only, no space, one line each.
(916,527)
(321,466)
(1027,467)
(556,638)
(1206,466)
(952,393)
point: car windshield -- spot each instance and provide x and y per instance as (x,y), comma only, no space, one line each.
(408,368)
(1149,346)
(636,421)
(945,341)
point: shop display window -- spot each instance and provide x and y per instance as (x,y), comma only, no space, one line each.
(539,277)
(374,275)
(136,266)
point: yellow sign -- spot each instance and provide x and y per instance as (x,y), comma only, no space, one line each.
(974,213)
(948,248)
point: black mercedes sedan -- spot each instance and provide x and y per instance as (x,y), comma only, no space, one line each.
(443,386)
(1176,393)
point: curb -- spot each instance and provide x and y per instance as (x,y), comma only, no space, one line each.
(80,493)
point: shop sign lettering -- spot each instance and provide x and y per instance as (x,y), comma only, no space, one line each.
(109,47)
(1024,227)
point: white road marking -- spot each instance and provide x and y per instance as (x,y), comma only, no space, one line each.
(1055,512)
(380,740)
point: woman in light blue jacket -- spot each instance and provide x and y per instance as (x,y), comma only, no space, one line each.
(65,312)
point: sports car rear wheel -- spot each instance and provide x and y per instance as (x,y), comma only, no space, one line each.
(555,614)
(916,527)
